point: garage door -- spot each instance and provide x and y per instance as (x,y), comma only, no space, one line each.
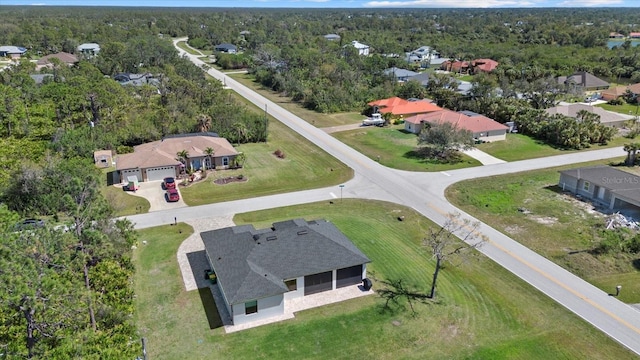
(160,173)
(131,172)
(318,283)
(349,276)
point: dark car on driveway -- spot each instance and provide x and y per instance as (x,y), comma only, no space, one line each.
(173,195)
(169,183)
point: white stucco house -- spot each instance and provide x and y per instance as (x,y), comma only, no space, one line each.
(259,270)
(614,189)
(362,48)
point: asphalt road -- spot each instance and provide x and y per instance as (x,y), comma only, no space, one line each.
(424,192)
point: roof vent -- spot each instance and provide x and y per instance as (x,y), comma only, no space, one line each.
(256,237)
(303,232)
(271,238)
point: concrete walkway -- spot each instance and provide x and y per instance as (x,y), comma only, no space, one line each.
(483,157)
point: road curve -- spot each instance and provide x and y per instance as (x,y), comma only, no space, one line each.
(424,192)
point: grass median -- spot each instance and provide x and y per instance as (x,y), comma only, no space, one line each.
(531,208)
(482,312)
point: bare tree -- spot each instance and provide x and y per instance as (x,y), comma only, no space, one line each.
(444,242)
(453,238)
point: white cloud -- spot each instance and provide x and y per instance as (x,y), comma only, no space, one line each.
(457,4)
(318,1)
(38,4)
(577,3)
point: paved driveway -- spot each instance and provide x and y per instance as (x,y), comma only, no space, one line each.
(153,192)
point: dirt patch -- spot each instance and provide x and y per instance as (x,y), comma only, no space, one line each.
(230,179)
(544,220)
(586,206)
(513,229)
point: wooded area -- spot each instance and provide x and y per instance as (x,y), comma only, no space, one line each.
(68,294)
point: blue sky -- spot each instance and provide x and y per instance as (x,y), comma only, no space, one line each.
(336,3)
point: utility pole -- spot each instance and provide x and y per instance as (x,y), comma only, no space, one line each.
(266,126)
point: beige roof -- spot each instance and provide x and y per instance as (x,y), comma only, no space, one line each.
(573,109)
(164,152)
(62,56)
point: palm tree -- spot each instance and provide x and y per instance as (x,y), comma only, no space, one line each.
(632,153)
(209,152)
(183,157)
(241,131)
(204,122)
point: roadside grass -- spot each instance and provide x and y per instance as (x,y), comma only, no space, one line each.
(482,312)
(305,166)
(183,45)
(124,204)
(312,117)
(521,147)
(626,109)
(558,227)
(395,148)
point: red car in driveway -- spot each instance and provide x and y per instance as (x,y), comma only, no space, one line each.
(173,195)
(169,183)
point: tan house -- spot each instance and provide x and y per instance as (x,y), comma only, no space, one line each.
(606,117)
(63,57)
(156,160)
(482,128)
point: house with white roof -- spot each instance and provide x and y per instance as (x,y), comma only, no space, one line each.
(362,48)
(12,52)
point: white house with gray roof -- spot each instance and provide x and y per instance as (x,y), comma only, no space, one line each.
(89,49)
(362,49)
(259,270)
(610,187)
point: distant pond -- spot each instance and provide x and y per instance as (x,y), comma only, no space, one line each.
(612,43)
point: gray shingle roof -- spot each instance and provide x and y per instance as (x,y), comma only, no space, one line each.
(253,264)
(584,79)
(399,73)
(617,181)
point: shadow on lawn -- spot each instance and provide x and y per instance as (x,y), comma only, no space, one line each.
(210,309)
(199,266)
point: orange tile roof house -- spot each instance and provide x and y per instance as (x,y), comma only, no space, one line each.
(484,65)
(401,107)
(157,160)
(475,66)
(483,128)
(616,92)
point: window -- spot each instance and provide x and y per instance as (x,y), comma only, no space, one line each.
(225,161)
(586,186)
(292,285)
(251,307)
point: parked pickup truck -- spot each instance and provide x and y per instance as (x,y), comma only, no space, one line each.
(375,119)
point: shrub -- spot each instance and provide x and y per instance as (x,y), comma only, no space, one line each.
(279,153)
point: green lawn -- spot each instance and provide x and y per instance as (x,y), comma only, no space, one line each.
(626,109)
(305,166)
(394,147)
(483,311)
(521,147)
(558,227)
(124,204)
(183,45)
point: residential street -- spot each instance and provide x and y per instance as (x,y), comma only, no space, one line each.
(424,192)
